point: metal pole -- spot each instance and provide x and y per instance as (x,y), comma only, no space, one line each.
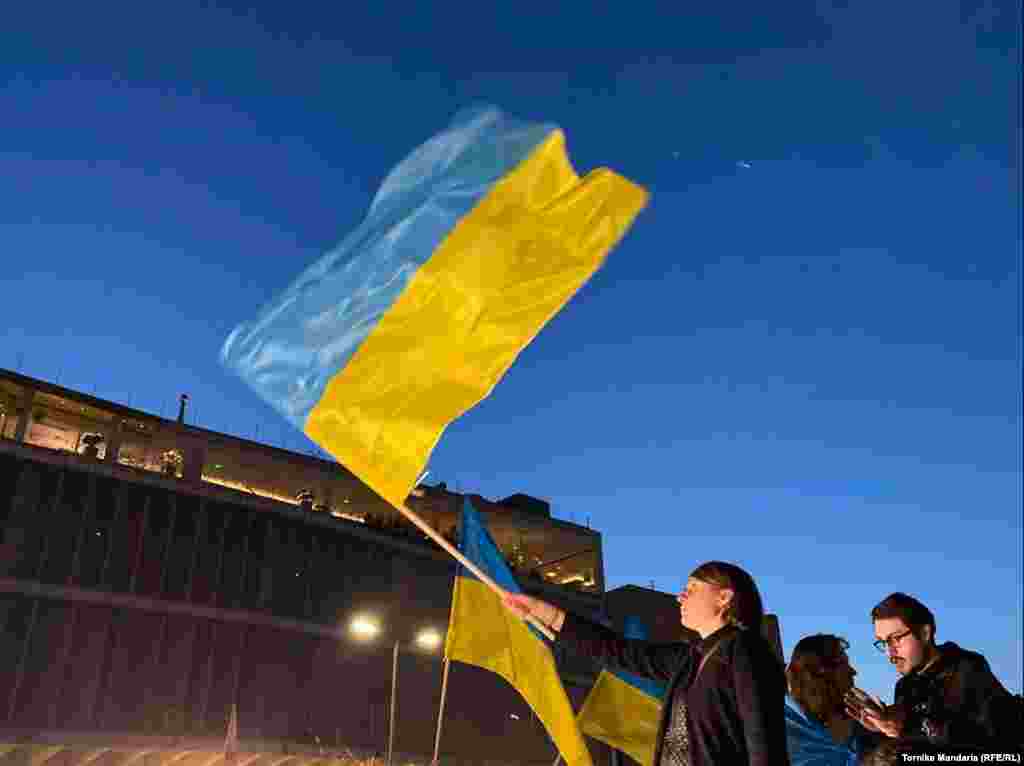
(440,712)
(394,688)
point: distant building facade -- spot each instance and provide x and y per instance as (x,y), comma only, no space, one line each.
(152,573)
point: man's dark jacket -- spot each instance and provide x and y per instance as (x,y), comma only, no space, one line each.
(736,707)
(957,703)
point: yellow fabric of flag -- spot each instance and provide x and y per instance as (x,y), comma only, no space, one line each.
(623,711)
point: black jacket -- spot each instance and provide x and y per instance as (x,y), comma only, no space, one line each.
(959,703)
(735,709)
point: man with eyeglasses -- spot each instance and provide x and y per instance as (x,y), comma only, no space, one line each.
(947,697)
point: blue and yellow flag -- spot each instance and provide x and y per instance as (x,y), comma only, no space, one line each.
(483,632)
(623,710)
(472,244)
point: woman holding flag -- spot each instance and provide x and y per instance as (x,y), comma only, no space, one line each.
(725,698)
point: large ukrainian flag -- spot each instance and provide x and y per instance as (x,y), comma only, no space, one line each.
(483,632)
(471,245)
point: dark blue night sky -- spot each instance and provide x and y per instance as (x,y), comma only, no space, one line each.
(804,358)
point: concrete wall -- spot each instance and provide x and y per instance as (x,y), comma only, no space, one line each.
(133,609)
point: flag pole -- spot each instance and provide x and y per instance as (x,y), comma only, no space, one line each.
(434,535)
(231,738)
(447,661)
(440,711)
(394,688)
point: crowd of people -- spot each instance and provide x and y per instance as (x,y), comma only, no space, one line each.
(730,702)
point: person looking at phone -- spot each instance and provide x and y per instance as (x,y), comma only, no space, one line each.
(818,727)
(946,696)
(726,693)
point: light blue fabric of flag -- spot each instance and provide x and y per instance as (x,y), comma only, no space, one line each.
(810,743)
(305,336)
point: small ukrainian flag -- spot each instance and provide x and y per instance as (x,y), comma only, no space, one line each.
(483,632)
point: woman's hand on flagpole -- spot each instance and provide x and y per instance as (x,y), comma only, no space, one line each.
(527,606)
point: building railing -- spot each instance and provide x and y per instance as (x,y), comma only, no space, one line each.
(392,527)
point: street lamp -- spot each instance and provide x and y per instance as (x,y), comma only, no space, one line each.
(428,639)
(364,627)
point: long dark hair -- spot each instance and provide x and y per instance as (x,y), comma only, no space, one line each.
(746,609)
(812,677)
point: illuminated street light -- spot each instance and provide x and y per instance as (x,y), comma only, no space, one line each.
(364,627)
(428,639)
(367,627)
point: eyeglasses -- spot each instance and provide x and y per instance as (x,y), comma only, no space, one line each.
(892,641)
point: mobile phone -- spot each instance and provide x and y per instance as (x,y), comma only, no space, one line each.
(864,700)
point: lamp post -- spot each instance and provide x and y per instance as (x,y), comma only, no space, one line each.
(391,707)
(428,639)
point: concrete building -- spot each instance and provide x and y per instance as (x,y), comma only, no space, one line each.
(153,572)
